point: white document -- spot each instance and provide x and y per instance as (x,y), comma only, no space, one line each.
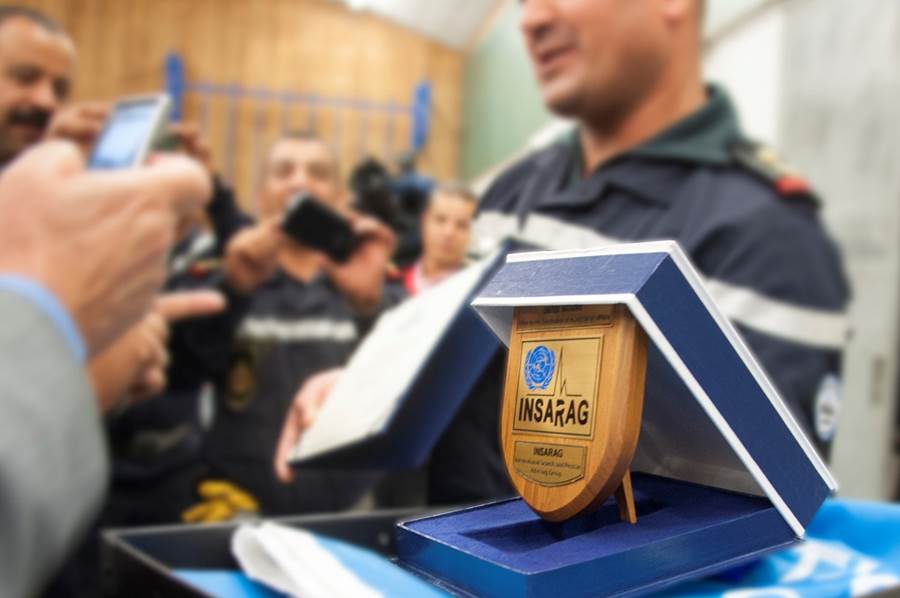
(387,362)
(293,562)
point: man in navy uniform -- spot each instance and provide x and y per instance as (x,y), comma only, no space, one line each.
(657,155)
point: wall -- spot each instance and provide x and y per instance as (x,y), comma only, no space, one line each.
(795,71)
(839,89)
(299,45)
(747,62)
(501,104)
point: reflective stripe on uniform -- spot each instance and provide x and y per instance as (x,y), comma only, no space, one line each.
(809,326)
(298,330)
(489,229)
(816,327)
(550,232)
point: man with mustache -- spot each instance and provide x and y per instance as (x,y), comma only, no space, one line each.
(37,63)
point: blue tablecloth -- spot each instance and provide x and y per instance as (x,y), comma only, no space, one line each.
(852,548)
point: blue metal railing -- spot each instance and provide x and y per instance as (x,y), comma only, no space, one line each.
(418,111)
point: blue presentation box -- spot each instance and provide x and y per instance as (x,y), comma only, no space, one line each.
(723,473)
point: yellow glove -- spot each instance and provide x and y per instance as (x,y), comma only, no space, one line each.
(220,500)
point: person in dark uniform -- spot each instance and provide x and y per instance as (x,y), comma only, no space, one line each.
(291,313)
(656,154)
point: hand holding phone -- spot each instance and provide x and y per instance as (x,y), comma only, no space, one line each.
(310,222)
(80,122)
(361,278)
(130,131)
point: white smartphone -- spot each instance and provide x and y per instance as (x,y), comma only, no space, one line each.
(130,131)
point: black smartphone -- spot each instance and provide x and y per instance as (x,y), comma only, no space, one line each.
(310,222)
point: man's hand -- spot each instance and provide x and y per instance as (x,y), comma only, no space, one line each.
(300,416)
(135,365)
(251,256)
(80,123)
(97,240)
(192,143)
(361,278)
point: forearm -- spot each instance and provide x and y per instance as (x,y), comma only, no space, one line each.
(52,460)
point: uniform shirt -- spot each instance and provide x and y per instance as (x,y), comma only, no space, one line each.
(753,232)
(290,330)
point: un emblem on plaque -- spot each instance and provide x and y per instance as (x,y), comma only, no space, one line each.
(572,407)
(539,366)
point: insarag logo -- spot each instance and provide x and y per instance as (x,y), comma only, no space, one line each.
(540,364)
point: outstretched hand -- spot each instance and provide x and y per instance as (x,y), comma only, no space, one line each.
(300,417)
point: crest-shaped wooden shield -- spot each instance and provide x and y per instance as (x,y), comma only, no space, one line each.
(572,404)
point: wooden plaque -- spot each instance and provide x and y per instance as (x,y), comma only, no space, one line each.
(572,402)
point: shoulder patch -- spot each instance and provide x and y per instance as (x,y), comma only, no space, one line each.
(767,164)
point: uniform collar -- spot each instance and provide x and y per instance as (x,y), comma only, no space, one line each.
(704,137)
(650,169)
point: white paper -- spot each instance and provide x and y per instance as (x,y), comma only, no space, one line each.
(293,562)
(386,363)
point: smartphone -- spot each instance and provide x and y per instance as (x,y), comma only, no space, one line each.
(130,132)
(310,222)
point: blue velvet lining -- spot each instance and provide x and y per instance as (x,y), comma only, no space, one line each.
(682,528)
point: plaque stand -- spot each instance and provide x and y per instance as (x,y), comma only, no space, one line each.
(625,500)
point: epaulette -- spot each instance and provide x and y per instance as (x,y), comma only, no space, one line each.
(764,162)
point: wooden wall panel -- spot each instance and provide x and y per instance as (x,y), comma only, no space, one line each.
(303,46)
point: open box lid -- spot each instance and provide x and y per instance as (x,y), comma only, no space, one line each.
(711,415)
(401,370)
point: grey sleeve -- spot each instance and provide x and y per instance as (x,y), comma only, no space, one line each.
(53,462)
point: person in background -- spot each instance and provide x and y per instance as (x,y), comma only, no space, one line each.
(292,312)
(37,66)
(445,225)
(446,232)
